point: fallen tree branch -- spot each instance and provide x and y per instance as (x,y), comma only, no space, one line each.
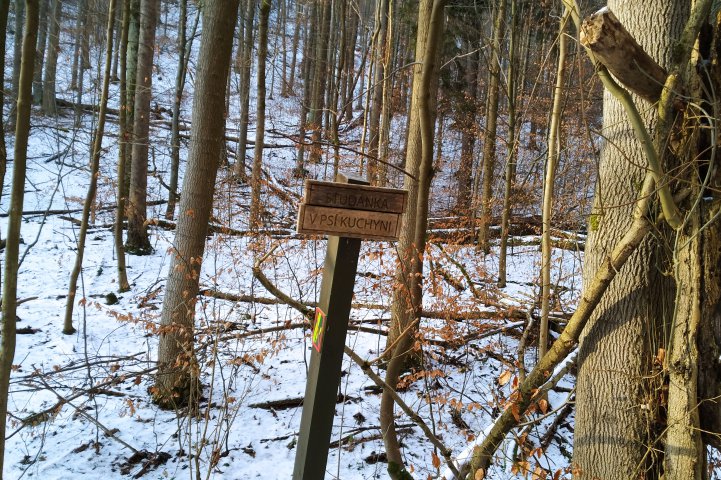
(447,454)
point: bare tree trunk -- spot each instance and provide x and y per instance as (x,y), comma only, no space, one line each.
(176,381)
(17,55)
(123,145)
(177,101)
(4,10)
(554,138)
(612,437)
(375,92)
(245,68)
(12,245)
(510,176)
(131,71)
(255,208)
(296,37)
(68,328)
(489,147)
(137,241)
(406,308)
(48,96)
(40,53)
(468,113)
(320,73)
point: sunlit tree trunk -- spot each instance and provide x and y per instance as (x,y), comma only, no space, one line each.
(614,435)
(408,297)
(489,147)
(176,381)
(554,139)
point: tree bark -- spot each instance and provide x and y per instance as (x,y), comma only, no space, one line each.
(176,381)
(616,417)
(4,10)
(510,171)
(554,139)
(489,146)
(40,53)
(407,307)
(123,145)
(68,328)
(177,103)
(137,241)
(255,206)
(245,67)
(12,245)
(48,95)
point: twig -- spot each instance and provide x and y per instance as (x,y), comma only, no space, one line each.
(415,418)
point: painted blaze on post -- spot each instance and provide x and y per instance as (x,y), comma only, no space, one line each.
(355,211)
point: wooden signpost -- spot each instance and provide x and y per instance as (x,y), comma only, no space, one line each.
(348,211)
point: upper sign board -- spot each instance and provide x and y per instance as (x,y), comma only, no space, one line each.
(348,210)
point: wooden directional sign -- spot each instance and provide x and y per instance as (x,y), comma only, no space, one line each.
(348,211)
(354,211)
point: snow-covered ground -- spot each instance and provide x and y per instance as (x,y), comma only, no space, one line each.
(79,404)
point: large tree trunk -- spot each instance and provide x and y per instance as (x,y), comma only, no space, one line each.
(68,328)
(176,380)
(137,241)
(408,299)
(615,418)
(255,207)
(12,246)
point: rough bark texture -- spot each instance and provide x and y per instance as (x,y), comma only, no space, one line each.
(12,246)
(245,66)
(615,417)
(175,122)
(137,241)
(614,47)
(255,207)
(425,85)
(176,378)
(123,145)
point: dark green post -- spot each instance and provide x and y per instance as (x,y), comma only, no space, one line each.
(329,333)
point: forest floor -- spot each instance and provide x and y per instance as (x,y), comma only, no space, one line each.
(79,404)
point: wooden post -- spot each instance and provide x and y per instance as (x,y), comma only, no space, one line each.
(330,326)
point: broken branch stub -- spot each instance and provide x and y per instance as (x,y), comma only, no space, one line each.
(620,53)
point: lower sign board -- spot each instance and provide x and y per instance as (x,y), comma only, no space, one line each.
(342,222)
